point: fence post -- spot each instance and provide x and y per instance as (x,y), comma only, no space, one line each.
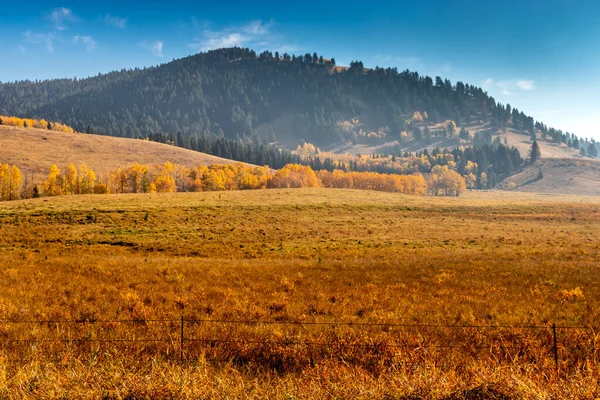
(181,343)
(555,347)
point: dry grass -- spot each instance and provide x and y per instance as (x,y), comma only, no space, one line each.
(35,150)
(549,149)
(312,255)
(559,176)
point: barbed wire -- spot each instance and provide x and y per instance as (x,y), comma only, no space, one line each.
(302,323)
(340,343)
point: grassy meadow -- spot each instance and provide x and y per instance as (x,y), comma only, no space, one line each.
(443,298)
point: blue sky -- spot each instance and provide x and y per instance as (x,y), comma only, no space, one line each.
(541,56)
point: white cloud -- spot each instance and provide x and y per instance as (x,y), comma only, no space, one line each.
(255,34)
(60,15)
(88,41)
(47,39)
(446,68)
(155,47)
(526,84)
(504,88)
(23,50)
(59,18)
(115,21)
(257,28)
(217,40)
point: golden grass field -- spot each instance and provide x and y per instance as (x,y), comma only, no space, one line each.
(35,150)
(315,256)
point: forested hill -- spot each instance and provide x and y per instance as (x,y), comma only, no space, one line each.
(235,93)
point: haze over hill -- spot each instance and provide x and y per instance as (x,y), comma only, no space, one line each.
(278,98)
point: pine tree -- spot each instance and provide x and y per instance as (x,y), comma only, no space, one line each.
(534,153)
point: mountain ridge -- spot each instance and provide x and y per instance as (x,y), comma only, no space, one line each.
(238,94)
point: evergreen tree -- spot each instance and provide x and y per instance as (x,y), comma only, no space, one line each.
(534,153)
(592,151)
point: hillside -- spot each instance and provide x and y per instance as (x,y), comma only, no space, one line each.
(564,176)
(236,93)
(35,150)
(512,138)
(549,149)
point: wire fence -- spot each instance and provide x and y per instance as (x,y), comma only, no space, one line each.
(299,343)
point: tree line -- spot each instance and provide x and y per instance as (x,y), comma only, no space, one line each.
(495,160)
(247,151)
(168,177)
(489,164)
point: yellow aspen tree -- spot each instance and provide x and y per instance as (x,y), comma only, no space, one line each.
(213,179)
(307,150)
(87,180)
(16,183)
(181,175)
(230,173)
(450,181)
(164,181)
(247,180)
(471,167)
(435,182)
(418,185)
(70,180)
(52,185)
(195,179)
(295,176)
(471,180)
(4,182)
(455,183)
(118,181)
(137,178)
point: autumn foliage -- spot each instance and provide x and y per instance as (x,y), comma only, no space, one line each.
(73,181)
(407,184)
(445,181)
(168,177)
(11,182)
(176,178)
(295,176)
(35,123)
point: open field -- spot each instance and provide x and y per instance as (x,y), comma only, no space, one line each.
(126,267)
(558,176)
(35,150)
